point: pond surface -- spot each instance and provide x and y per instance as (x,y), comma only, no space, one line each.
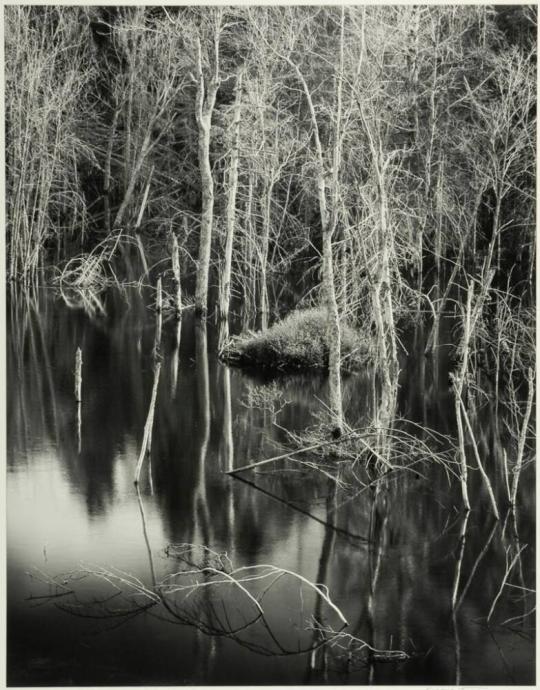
(86,549)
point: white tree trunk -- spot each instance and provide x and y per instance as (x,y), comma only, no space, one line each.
(225,295)
(207,216)
(265,243)
(204,107)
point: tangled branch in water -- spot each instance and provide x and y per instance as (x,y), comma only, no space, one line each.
(205,591)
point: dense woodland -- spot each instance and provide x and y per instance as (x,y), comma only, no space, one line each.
(378,162)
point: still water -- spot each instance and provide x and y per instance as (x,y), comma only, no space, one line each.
(86,549)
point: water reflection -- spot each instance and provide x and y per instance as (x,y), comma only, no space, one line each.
(201,517)
(409,573)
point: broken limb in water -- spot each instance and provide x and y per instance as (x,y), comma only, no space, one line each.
(205,591)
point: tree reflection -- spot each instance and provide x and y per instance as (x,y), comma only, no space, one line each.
(201,515)
(175,357)
(388,543)
(203,590)
(227,440)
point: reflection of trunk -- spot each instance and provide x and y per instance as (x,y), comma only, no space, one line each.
(203,395)
(78,395)
(228,445)
(175,357)
(45,362)
(326,550)
(147,543)
(78,376)
(225,295)
(378,538)
(472,573)
(515,537)
(79,429)
(321,581)
(227,420)
(455,590)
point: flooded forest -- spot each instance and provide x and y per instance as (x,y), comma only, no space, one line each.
(270,344)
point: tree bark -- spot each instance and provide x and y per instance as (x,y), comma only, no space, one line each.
(225,295)
(107,170)
(177,286)
(265,243)
(204,107)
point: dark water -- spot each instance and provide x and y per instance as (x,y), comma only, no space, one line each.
(390,559)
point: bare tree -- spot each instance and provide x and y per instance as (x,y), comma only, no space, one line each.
(225,293)
(207,88)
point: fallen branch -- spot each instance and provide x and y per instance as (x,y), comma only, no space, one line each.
(149,423)
(347,436)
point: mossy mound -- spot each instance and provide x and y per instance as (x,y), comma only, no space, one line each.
(296,343)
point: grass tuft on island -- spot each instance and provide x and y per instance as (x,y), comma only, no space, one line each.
(297,343)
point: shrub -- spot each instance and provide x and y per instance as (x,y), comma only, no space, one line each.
(297,342)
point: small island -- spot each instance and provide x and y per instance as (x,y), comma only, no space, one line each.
(296,343)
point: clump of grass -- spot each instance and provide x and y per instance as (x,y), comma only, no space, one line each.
(298,342)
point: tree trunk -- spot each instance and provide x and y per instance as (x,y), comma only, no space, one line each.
(225,295)
(134,178)
(107,170)
(384,290)
(204,107)
(207,215)
(333,328)
(249,261)
(177,286)
(333,331)
(265,243)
